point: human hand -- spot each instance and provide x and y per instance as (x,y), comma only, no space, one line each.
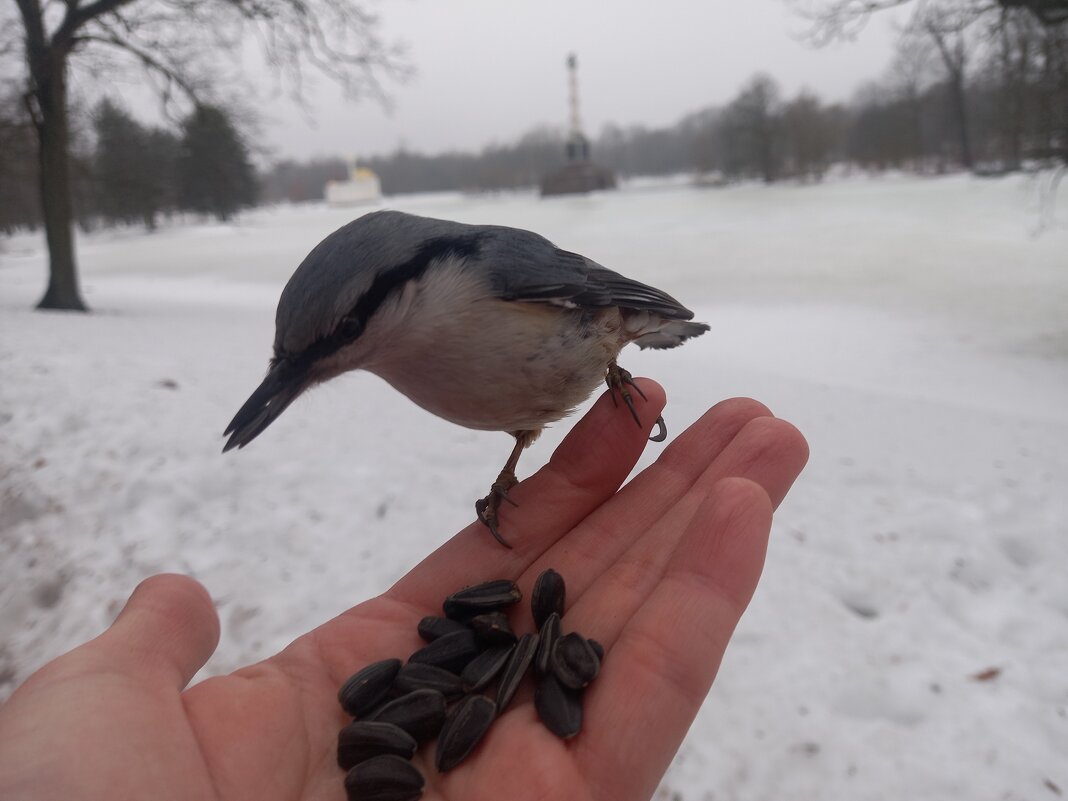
(659,572)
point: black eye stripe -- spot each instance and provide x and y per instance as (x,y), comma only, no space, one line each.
(352,324)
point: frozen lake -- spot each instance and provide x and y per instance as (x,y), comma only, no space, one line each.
(914,329)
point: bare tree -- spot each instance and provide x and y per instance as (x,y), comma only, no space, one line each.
(1012,67)
(836,19)
(17,173)
(950,25)
(947,26)
(750,131)
(911,74)
(178,42)
(809,136)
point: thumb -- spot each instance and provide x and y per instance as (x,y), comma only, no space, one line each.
(168,627)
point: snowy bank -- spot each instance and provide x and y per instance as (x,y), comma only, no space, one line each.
(910,634)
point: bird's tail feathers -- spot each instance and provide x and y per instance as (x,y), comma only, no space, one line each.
(671,334)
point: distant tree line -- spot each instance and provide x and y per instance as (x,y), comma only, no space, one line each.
(981,91)
(123,172)
(988,94)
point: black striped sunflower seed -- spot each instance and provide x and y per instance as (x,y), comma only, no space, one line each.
(559,708)
(516,669)
(384,778)
(493,628)
(450,651)
(366,688)
(484,668)
(574,662)
(462,731)
(432,627)
(363,739)
(486,597)
(547,637)
(547,596)
(421,676)
(420,713)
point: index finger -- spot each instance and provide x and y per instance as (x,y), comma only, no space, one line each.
(586,469)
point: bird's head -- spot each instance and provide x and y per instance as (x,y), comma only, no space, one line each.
(330,315)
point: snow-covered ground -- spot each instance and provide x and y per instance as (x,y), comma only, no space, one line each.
(910,635)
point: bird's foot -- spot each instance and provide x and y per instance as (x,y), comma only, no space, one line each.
(620,380)
(486,508)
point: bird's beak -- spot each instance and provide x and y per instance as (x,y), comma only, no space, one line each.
(279,389)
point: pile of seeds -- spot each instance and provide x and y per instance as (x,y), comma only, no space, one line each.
(474,662)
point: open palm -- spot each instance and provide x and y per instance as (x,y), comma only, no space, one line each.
(659,572)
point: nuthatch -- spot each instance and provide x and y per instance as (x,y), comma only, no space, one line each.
(492,328)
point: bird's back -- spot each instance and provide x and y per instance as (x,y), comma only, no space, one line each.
(345,278)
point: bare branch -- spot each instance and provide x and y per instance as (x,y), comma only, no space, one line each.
(79,15)
(831,20)
(171,74)
(841,19)
(338,39)
(1048,12)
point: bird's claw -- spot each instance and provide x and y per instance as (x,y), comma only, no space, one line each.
(619,380)
(486,508)
(661,433)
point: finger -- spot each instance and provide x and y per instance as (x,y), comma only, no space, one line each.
(663,663)
(168,627)
(610,529)
(618,556)
(586,469)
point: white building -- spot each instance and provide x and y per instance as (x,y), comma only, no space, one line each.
(362,187)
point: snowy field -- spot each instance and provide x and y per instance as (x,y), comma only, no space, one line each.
(909,639)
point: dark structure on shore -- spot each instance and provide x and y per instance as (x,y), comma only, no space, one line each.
(579,174)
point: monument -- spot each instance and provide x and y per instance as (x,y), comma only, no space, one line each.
(579,173)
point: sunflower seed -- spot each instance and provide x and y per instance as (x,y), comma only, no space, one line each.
(597,649)
(493,628)
(547,637)
(573,661)
(384,778)
(481,670)
(450,651)
(516,668)
(559,708)
(547,596)
(366,688)
(485,597)
(432,627)
(363,739)
(462,731)
(420,713)
(421,676)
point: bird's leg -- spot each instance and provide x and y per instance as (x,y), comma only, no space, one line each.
(487,507)
(620,380)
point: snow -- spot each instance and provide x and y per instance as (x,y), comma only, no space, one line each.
(914,329)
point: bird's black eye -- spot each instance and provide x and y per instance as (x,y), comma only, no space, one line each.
(350,327)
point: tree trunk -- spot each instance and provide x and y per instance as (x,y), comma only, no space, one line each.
(955,57)
(960,111)
(53,133)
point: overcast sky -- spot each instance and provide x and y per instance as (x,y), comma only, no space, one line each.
(489,70)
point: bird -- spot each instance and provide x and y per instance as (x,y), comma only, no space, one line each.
(490,327)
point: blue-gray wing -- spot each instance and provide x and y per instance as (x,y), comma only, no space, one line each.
(523,266)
